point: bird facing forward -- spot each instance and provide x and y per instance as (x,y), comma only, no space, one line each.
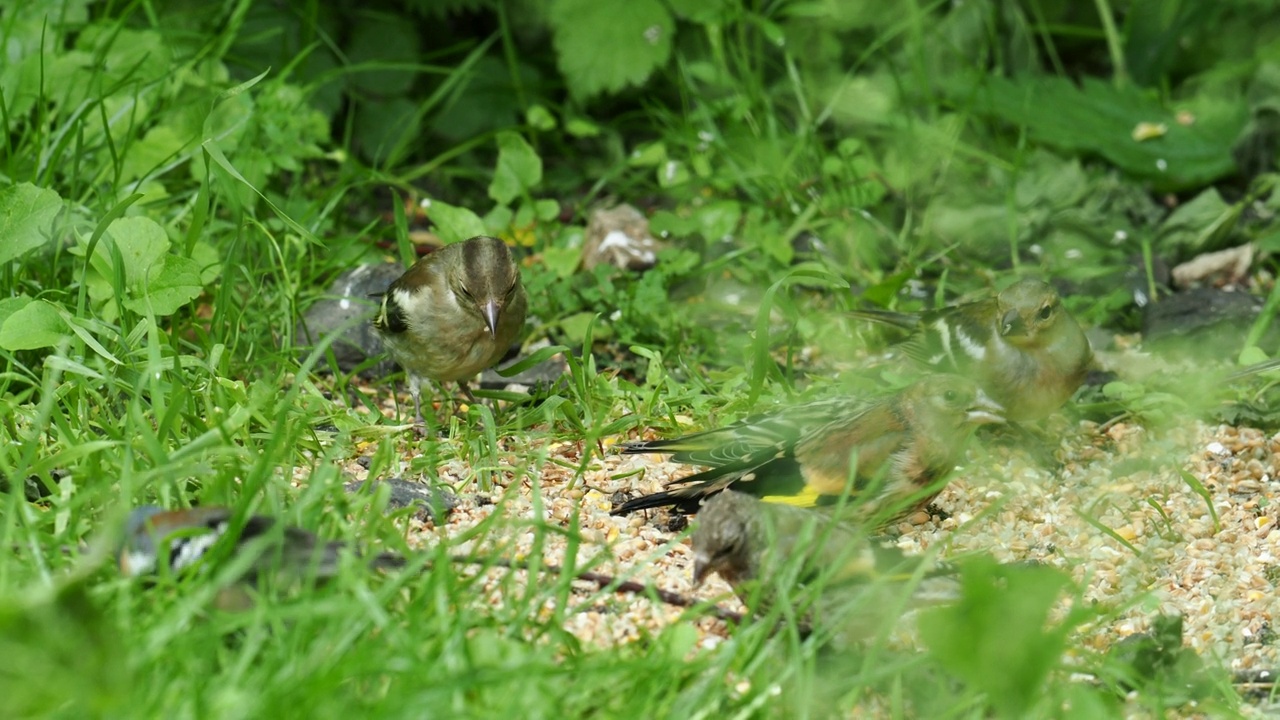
(453,314)
(889,454)
(180,541)
(1022,346)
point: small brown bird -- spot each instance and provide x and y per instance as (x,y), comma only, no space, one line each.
(852,583)
(889,454)
(1022,346)
(453,314)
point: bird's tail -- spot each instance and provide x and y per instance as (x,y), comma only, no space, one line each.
(902,321)
(387,561)
(684,500)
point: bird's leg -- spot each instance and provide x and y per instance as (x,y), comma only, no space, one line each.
(462,385)
(415,389)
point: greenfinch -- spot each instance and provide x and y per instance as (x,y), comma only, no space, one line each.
(1021,346)
(889,454)
(454,313)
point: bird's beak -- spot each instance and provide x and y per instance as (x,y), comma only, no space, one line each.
(1011,324)
(984,410)
(490,310)
(701,568)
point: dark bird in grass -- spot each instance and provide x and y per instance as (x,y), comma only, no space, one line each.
(182,541)
(454,313)
(1021,346)
(842,579)
(889,455)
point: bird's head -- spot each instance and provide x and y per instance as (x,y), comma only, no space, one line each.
(722,538)
(484,276)
(1027,310)
(138,549)
(182,536)
(940,401)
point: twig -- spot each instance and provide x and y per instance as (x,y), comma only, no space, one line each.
(610,582)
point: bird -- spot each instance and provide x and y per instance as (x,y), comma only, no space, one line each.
(833,570)
(181,541)
(1021,346)
(453,314)
(888,453)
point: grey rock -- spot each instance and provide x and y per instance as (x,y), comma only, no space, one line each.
(433,502)
(619,236)
(351,297)
(1201,322)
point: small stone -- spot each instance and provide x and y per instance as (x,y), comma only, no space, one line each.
(434,502)
(620,237)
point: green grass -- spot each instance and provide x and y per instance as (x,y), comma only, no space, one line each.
(178,186)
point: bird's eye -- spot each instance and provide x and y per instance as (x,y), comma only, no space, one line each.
(950,396)
(465,292)
(1046,312)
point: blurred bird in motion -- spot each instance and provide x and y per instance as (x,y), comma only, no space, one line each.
(842,580)
(889,454)
(1022,346)
(453,314)
(177,541)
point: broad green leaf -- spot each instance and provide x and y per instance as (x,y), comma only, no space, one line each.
(1199,224)
(519,168)
(455,224)
(210,263)
(38,324)
(143,245)
(563,261)
(9,306)
(604,47)
(161,145)
(176,284)
(385,47)
(27,213)
(718,219)
(1098,117)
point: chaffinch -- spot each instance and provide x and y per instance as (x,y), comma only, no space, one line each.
(180,540)
(453,314)
(839,577)
(1022,346)
(889,453)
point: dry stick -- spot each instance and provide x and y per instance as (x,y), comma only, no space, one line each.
(610,582)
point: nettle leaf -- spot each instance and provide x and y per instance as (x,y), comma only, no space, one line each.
(604,47)
(27,213)
(33,324)
(1097,117)
(519,168)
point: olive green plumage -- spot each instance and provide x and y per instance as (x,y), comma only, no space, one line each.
(454,313)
